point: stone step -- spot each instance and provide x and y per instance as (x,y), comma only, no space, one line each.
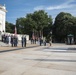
(3,44)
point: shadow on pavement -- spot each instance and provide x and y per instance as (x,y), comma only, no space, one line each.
(56,60)
(17,49)
(52,60)
(71,48)
(61,48)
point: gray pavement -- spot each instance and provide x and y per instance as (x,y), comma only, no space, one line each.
(59,59)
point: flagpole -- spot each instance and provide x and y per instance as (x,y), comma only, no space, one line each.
(15,33)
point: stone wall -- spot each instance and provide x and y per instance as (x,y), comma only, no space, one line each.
(18,35)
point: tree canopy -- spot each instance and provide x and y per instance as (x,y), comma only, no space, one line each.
(64,25)
(9,27)
(34,22)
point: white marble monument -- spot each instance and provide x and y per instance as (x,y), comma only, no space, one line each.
(2,18)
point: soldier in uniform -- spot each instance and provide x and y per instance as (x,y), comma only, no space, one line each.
(12,40)
(24,41)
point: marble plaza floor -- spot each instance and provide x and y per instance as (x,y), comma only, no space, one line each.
(59,59)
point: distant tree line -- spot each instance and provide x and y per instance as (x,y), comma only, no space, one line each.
(41,24)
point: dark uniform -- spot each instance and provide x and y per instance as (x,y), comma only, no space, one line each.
(22,41)
(25,41)
(12,41)
(15,41)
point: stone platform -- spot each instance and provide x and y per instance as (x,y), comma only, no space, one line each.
(59,59)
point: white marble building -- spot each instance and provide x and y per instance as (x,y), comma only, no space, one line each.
(2,23)
(2,18)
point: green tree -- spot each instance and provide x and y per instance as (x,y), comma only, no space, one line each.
(9,27)
(64,23)
(34,23)
(20,25)
(42,20)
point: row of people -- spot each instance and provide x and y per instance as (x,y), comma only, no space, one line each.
(41,41)
(13,40)
(5,38)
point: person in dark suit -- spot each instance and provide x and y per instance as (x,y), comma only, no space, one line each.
(24,41)
(15,41)
(41,41)
(12,40)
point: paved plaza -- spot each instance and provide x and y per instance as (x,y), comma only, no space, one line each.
(59,59)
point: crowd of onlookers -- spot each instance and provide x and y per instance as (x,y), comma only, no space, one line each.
(12,40)
(42,41)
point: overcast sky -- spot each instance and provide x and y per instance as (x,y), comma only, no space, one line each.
(19,8)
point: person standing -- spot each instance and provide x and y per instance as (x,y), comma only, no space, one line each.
(44,41)
(41,41)
(9,40)
(22,41)
(12,40)
(31,41)
(15,41)
(35,40)
(50,42)
(25,41)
